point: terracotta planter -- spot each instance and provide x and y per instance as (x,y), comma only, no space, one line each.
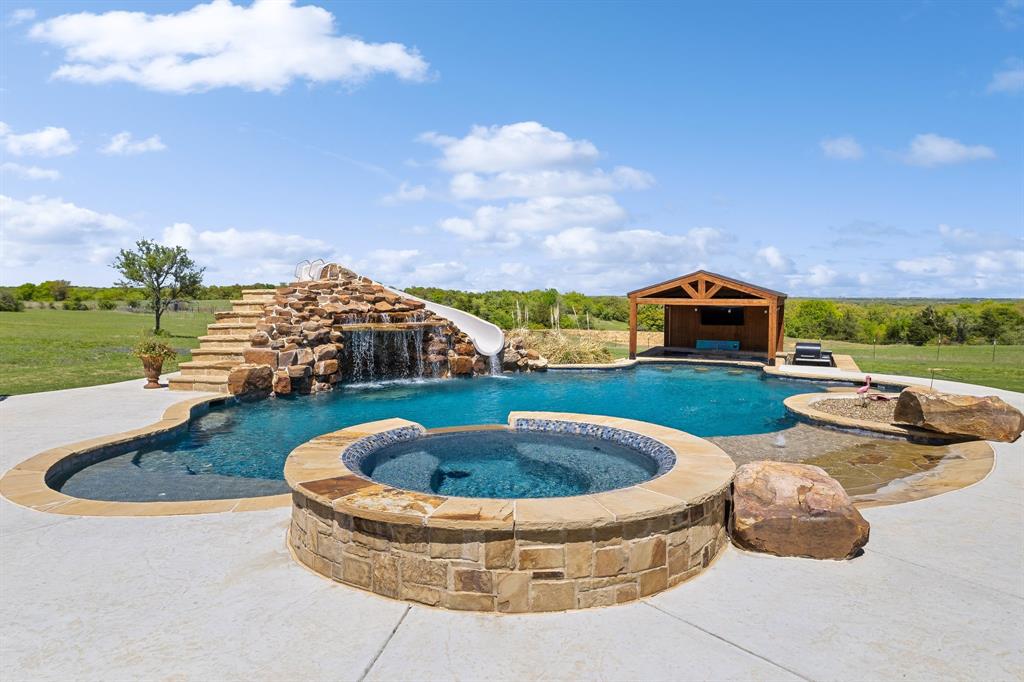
(153,365)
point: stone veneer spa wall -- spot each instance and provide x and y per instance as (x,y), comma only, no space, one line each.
(505,555)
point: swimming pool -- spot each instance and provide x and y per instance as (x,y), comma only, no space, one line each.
(508,464)
(239,450)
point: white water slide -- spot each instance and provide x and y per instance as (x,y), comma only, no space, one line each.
(487,338)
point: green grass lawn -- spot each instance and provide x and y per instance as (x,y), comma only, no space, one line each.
(971,364)
(44,350)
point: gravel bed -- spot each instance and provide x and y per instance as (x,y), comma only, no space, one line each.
(853,408)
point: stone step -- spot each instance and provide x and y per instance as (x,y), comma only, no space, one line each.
(258,295)
(209,384)
(234,342)
(217,355)
(204,368)
(238,316)
(231,329)
(247,306)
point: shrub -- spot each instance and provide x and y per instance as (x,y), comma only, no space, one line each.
(9,304)
(74,304)
(107,304)
(564,349)
(149,346)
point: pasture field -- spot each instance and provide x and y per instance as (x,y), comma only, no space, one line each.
(45,350)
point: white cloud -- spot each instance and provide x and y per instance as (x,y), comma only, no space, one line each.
(519,146)
(1010,79)
(52,230)
(406,193)
(263,46)
(29,172)
(844,147)
(774,259)
(934,150)
(547,183)
(931,266)
(49,141)
(20,16)
(123,144)
(1011,13)
(507,224)
(406,267)
(627,247)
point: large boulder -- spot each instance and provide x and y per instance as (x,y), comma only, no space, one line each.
(987,418)
(791,509)
(251,381)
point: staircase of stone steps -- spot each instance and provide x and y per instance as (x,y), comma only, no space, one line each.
(221,349)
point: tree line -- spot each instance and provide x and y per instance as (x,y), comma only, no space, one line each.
(912,321)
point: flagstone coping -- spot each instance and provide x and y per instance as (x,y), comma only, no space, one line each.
(28,483)
(802,407)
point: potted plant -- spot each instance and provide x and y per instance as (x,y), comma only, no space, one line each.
(153,352)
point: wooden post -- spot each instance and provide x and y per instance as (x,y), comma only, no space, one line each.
(632,328)
(773,312)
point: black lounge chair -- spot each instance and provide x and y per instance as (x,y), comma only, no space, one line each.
(812,354)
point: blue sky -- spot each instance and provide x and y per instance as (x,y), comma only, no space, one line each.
(861,149)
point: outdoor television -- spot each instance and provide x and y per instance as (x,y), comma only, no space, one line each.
(722,316)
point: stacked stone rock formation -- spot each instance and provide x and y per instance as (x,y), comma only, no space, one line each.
(293,339)
(516,357)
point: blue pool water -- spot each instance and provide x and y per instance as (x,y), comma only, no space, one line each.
(245,445)
(508,464)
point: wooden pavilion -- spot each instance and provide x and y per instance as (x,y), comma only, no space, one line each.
(709,314)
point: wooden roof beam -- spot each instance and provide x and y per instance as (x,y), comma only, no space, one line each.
(717,302)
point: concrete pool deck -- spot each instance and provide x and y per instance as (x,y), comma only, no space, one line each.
(938,594)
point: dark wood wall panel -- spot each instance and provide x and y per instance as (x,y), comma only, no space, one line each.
(683,328)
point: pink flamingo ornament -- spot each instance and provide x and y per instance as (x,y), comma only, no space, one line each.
(862,392)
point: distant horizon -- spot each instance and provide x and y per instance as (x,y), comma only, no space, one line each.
(828,150)
(939,299)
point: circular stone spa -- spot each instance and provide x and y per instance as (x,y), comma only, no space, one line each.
(556,511)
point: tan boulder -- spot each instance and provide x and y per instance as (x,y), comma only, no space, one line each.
(251,381)
(325,367)
(460,365)
(282,382)
(791,509)
(259,339)
(260,356)
(987,418)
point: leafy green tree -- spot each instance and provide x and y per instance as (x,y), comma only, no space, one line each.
(52,290)
(164,273)
(962,321)
(651,318)
(919,332)
(25,291)
(9,303)
(999,320)
(812,319)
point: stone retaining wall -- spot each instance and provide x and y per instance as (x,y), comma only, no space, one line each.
(506,555)
(510,571)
